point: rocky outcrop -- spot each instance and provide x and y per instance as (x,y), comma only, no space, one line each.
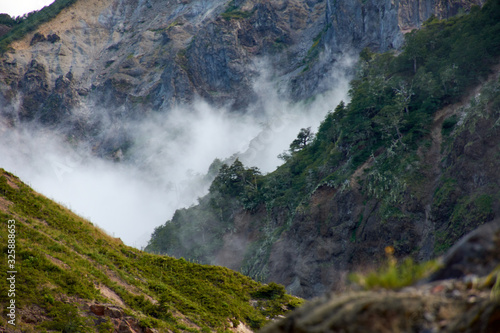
(141,55)
(121,322)
(465,303)
(476,254)
(451,306)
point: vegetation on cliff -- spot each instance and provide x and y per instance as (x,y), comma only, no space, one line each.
(375,146)
(65,265)
(22,25)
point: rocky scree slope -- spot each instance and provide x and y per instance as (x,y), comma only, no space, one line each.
(72,277)
(411,162)
(120,59)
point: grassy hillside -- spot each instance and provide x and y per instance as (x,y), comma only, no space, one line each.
(388,160)
(65,264)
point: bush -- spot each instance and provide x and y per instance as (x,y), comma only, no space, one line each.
(66,319)
(449,125)
(270,291)
(394,275)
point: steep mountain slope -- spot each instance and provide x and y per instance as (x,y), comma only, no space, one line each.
(71,277)
(410,162)
(124,58)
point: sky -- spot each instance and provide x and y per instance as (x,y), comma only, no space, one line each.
(20,7)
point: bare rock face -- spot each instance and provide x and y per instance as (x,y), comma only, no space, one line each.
(121,322)
(453,305)
(150,55)
(34,81)
(411,14)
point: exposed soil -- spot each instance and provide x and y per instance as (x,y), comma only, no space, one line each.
(353,182)
(110,294)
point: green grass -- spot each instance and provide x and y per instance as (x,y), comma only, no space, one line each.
(394,275)
(60,256)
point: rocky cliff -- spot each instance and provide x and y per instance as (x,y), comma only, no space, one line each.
(133,57)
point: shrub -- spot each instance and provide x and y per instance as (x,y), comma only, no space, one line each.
(394,275)
(270,291)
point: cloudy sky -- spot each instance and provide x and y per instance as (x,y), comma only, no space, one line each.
(20,7)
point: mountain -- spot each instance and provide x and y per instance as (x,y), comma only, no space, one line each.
(72,277)
(410,162)
(77,63)
(402,163)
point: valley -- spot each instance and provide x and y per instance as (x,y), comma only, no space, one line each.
(213,144)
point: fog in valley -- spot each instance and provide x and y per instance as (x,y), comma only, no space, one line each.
(166,165)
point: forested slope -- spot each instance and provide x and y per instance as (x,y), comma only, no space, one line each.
(411,161)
